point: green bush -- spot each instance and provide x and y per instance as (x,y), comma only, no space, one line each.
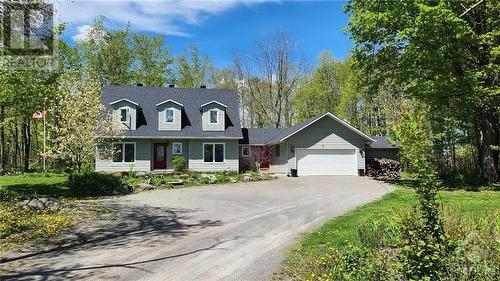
(178,163)
(95,184)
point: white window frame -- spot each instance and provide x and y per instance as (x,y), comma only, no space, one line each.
(127,116)
(242,149)
(213,151)
(173,115)
(123,151)
(173,148)
(210,115)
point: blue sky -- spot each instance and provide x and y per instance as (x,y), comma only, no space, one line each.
(219,27)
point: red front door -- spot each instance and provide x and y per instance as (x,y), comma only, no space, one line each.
(160,156)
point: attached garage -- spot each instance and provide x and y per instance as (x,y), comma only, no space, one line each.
(323,162)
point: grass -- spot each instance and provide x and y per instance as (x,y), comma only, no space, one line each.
(343,231)
(40,184)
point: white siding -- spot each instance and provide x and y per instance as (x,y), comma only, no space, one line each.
(196,156)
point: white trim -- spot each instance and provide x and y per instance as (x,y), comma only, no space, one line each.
(170,100)
(249,152)
(173,148)
(214,101)
(210,115)
(127,115)
(173,115)
(334,118)
(127,100)
(214,143)
(123,151)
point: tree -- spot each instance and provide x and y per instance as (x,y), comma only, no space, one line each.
(108,53)
(192,69)
(153,63)
(270,75)
(82,120)
(445,53)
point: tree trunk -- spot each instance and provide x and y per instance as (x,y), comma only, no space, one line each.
(26,135)
(489,136)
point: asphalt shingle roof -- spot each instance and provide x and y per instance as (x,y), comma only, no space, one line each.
(192,99)
(255,136)
(381,142)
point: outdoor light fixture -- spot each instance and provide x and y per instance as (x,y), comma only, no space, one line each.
(362,153)
(292,149)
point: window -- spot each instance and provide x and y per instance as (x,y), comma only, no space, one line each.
(278,150)
(124,112)
(124,152)
(177,148)
(245,151)
(214,116)
(213,152)
(169,115)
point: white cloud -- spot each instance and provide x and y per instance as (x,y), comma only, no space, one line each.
(159,16)
(82,32)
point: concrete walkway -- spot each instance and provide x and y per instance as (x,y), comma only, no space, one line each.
(228,232)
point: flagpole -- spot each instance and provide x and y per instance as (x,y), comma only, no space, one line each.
(44,156)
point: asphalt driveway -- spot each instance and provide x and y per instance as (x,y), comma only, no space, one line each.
(228,232)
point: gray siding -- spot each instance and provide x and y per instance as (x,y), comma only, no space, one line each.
(142,159)
(221,126)
(170,149)
(132,123)
(326,134)
(279,164)
(176,125)
(196,156)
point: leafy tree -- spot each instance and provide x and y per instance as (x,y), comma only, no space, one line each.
(445,53)
(82,120)
(153,64)
(192,68)
(109,53)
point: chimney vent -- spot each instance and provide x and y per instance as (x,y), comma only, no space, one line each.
(203,87)
(139,85)
(171,86)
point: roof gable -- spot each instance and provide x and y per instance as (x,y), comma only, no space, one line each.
(170,100)
(123,99)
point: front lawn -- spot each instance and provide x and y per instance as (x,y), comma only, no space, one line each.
(39,184)
(338,249)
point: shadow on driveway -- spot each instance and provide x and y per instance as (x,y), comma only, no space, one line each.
(127,227)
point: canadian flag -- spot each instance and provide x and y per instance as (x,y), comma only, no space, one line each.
(39,114)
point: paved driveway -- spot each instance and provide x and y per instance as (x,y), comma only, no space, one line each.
(231,232)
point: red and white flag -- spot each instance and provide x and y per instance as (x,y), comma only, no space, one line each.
(39,115)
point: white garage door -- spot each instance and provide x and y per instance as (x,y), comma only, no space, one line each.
(326,162)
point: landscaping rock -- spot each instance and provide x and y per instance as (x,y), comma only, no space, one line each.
(147,186)
(247,178)
(40,203)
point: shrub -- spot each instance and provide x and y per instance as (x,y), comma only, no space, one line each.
(178,163)
(247,166)
(95,184)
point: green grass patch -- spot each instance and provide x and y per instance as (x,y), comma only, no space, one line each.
(347,238)
(40,184)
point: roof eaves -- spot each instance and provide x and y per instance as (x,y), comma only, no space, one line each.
(213,101)
(170,100)
(127,100)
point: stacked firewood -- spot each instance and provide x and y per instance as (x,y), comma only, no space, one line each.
(383,168)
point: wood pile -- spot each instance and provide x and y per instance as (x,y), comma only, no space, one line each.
(383,168)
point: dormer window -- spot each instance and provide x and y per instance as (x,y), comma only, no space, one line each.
(169,115)
(124,113)
(214,116)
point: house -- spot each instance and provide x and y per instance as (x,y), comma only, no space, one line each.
(203,125)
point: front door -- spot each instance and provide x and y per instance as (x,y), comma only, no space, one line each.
(160,156)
